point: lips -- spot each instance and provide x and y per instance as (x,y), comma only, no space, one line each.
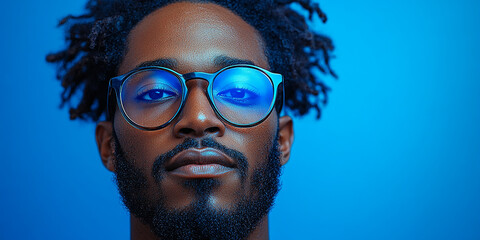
(200,163)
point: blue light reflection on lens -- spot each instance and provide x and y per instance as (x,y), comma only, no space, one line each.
(151,97)
(149,81)
(242,95)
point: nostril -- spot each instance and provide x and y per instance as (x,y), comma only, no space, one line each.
(186,131)
(212,130)
(191,131)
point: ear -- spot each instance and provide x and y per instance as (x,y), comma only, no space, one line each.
(285,137)
(104,137)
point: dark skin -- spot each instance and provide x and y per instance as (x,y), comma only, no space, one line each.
(194,36)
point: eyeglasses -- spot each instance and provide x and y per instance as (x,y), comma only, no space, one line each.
(149,98)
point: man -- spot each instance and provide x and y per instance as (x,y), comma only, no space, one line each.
(192,92)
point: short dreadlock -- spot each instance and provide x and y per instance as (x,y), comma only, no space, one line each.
(96,46)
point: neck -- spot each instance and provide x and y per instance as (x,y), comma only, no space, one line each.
(140,231)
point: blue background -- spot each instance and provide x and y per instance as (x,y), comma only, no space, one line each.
(395,156)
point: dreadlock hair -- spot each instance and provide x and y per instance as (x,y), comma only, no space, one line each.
(96,43)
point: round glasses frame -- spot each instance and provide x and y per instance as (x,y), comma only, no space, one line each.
(116,84)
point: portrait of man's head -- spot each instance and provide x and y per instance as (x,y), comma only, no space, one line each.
(240,120)
(192,102)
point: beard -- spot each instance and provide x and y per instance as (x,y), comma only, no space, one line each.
(199,220)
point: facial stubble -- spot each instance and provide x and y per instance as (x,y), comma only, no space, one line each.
(199,220)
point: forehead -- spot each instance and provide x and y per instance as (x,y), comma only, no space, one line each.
(193,34)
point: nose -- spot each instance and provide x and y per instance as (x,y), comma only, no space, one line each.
(198,118)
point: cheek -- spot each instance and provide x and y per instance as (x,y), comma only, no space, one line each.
(254,142)
(142,146)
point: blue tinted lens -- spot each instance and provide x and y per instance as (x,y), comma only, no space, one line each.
(151,97)
(243,95)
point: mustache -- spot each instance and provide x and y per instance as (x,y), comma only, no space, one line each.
(158,170)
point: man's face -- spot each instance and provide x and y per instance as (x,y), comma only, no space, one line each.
(196,37)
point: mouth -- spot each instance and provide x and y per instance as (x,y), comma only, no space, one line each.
(200,163)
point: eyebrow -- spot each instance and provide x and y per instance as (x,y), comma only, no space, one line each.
(219,61)
(225,61)
(161,62)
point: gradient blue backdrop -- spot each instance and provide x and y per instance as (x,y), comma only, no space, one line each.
(395,156)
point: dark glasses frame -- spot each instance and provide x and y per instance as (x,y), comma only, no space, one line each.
(117,83)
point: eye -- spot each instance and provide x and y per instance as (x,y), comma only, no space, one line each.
(239,96)
(155,93)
